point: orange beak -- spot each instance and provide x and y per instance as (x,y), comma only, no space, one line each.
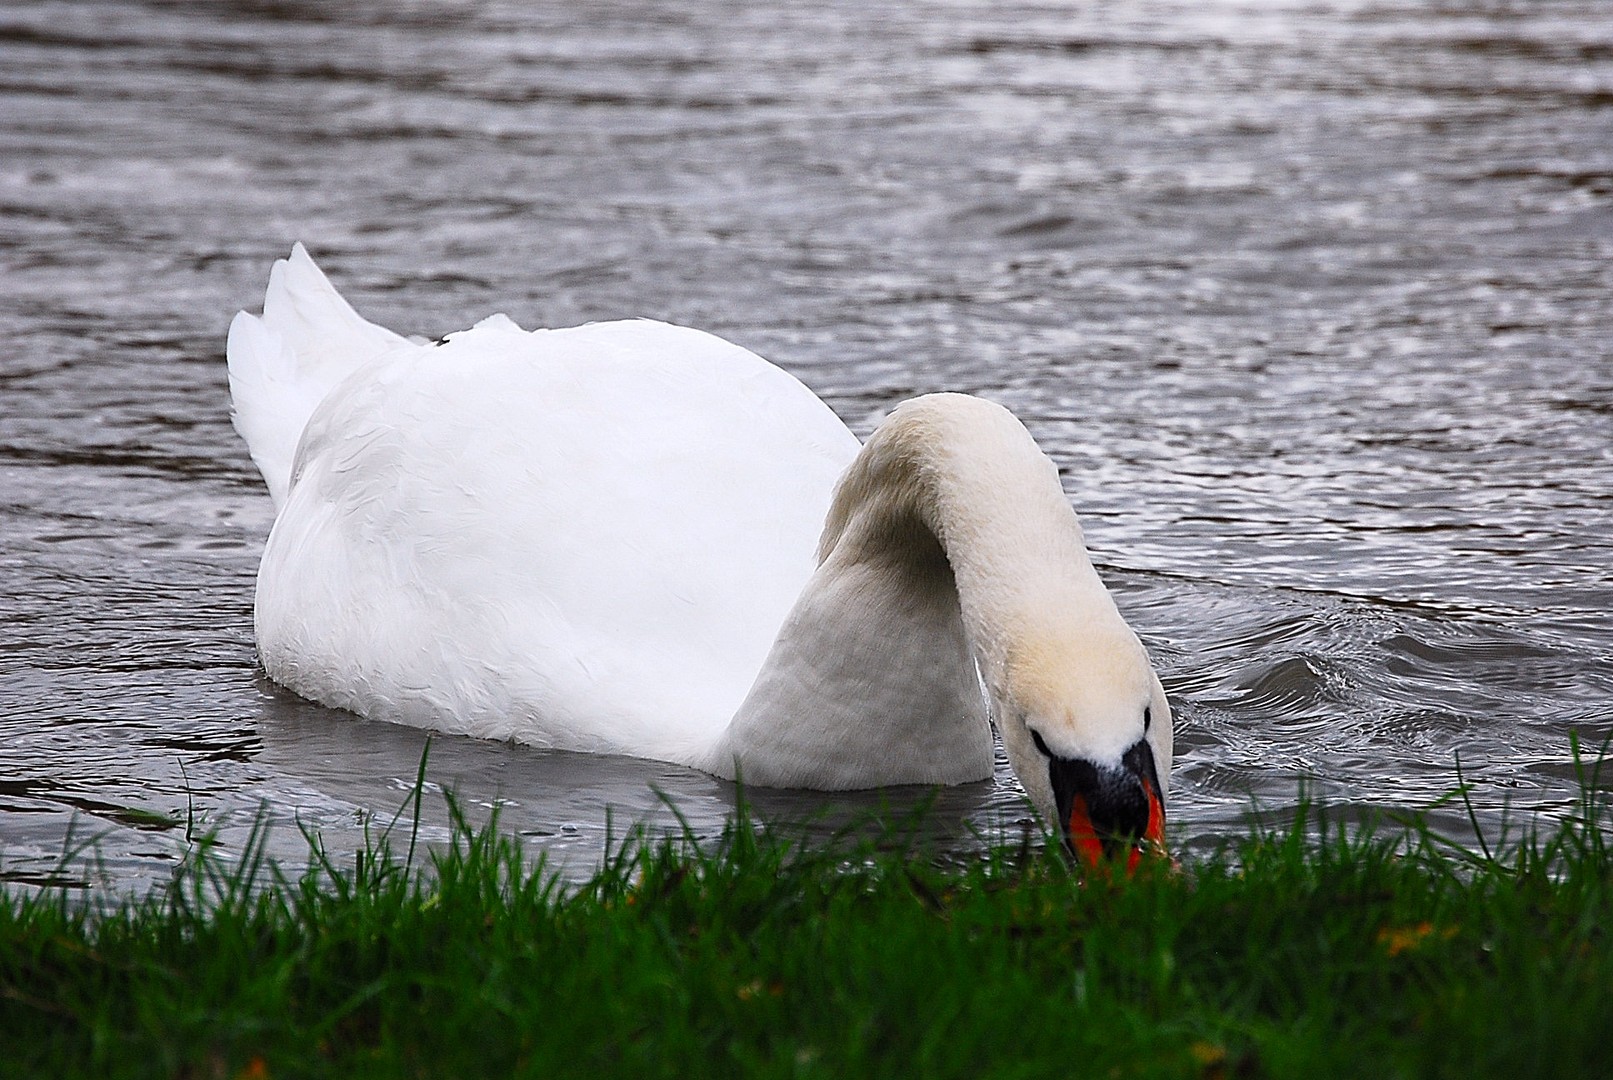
(1089,845)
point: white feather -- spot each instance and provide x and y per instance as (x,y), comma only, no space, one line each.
(612,538)
(284,364)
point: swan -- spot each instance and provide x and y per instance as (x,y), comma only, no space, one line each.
(638,538)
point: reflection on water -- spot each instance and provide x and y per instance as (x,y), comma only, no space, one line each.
(1308,300)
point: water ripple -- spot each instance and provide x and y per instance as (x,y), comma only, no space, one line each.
(1308,300)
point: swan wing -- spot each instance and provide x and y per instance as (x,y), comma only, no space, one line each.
(584,538)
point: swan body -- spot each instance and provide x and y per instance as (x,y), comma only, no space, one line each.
(638,538)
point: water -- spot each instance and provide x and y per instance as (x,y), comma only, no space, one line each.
(1310,301)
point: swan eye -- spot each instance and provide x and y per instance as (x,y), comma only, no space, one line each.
(1036,737)
(1148,718)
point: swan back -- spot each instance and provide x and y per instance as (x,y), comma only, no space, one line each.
(582,538)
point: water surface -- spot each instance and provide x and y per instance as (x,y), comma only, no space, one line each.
(1309,300)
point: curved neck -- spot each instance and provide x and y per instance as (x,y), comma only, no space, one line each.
(949,538)
(1032,604)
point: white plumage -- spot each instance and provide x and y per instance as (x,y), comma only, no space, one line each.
(607,538)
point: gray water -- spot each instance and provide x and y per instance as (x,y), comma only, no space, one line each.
(1309,300)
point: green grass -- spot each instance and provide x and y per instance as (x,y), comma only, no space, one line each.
(1305,951)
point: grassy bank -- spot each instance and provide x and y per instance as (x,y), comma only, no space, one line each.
(1307,951)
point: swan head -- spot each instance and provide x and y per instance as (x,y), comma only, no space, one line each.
(1087,728)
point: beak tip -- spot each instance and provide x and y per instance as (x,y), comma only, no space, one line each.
(1084,841)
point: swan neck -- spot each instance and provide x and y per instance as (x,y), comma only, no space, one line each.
(968,474)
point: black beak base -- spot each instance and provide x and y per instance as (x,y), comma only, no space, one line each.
(1118,800)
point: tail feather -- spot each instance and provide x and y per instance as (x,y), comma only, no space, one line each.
(283,363)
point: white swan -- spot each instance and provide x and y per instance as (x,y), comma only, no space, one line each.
(607,538)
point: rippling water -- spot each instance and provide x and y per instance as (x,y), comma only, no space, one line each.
(1310,300)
